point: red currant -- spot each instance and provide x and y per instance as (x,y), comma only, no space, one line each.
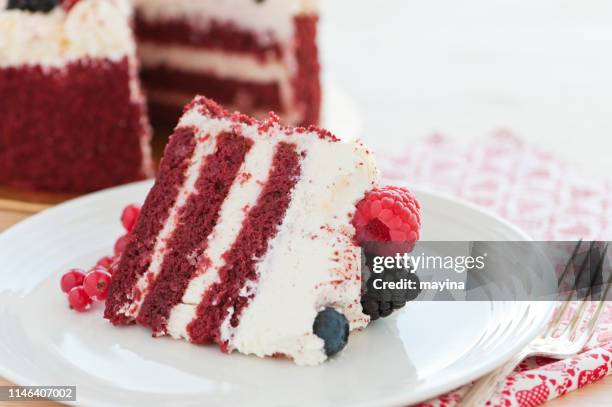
(105,262)
(113,267)
(120,244)
(73,278)
(79,300)
(96,284)
(129,217)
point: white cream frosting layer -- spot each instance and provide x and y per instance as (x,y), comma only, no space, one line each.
(311,264)
(91,29)
(271,19)
(223,64)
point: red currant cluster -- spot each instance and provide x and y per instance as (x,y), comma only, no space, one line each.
(85,287)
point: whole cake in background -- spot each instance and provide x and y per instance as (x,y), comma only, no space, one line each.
(255,56)
(246,240)
(73,116)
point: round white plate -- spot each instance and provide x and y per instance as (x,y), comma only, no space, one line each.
(426,349)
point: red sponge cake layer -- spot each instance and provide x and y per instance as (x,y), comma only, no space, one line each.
(76,128)
(155,212)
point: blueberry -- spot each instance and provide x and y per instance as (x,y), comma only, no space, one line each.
(333,328)
(33,5)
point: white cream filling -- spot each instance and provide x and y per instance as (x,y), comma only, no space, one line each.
(92,29)
(311,263)
(222,64)
(272,20)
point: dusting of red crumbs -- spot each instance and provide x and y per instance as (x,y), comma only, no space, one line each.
(244,177)
(212,109)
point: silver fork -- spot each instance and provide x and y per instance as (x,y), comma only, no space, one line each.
(560,340)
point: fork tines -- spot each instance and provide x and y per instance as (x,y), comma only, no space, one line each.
(585,273)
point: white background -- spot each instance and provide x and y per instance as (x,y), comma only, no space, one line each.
(541,68)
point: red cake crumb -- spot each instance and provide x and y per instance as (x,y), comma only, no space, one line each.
(137,256)
(197,220)
(260,226)
(71,129)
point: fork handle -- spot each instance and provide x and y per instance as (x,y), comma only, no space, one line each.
(488,385)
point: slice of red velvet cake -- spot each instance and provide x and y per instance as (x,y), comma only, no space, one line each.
(73,117)
(246,238)
(252,55)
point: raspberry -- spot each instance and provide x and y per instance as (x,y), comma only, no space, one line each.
(96,284)
(129,217)
(388,214)
(79,300)
(73,278)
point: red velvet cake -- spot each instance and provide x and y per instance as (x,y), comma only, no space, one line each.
(246,238)
(251,55)
(73,117)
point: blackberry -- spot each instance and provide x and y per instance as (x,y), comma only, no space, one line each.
(333,328)
(380,303)
(33,5)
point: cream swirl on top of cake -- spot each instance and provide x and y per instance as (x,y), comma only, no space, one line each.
(91,29)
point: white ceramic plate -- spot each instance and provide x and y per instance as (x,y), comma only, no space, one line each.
(427,349)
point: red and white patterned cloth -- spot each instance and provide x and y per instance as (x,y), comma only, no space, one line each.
(547,197)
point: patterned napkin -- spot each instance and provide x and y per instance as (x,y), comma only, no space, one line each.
(548,198)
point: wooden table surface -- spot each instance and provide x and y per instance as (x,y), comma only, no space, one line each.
(596,395)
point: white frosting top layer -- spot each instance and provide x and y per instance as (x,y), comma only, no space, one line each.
(270,18)
(92,28)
